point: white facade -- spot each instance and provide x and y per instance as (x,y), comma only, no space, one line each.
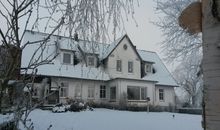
(169,96)
(111,74)
(125,55)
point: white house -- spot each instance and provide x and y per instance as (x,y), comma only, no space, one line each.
(101,73)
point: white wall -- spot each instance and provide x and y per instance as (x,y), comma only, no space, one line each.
(121,87)
(125,56)
(169,96)
(73,83)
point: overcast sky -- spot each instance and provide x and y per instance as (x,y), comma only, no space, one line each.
(146,36)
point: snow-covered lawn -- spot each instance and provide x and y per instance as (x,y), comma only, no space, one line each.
(104,119)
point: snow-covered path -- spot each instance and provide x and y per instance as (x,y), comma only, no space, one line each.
(104,119)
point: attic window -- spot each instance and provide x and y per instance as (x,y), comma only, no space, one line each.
(125,47)
(148,68)
(66,58)
(91,60)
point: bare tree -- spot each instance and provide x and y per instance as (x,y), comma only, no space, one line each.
(91,19)
(181,46)
(178,43)
(187,75)
(12,13)
(210,64)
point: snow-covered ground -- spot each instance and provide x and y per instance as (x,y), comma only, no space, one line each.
(104,119)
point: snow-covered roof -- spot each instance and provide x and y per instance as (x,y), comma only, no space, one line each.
(87,46)
(162,75)
(72,71)
(112,46)
(59,69)
(56,68)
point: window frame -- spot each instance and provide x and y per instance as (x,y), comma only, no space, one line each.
(102,93)
(161,95)
(145,94)
(140,93)
(71,58)
(113,98)
(64,88)
(91,92)
(130,67)
(78,91)
(35,92)
(88,61)
(148,68)
(119,65)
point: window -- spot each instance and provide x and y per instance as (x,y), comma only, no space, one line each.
(102,91)
(125,47)
(147,68)
(91,60)
(161,94)
(130,67)
(91,92)
(143,93)
(35,92)
(78,91)
(67,58)
(136,93)
(113,93)
(118,65)
(64,89)
(133,93)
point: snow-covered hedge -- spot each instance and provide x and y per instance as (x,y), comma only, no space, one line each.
(75,107)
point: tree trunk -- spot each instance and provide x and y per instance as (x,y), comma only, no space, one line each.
(193,101)
(211,67)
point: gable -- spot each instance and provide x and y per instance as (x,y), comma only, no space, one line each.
(125,40)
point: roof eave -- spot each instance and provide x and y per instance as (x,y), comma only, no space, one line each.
(166,85)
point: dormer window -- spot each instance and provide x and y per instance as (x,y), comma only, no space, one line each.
(148,68)
(91,61)
(67,58)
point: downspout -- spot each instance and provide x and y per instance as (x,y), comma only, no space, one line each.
(154,96)
(119,93)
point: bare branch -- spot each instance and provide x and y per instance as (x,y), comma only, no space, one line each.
(177,44)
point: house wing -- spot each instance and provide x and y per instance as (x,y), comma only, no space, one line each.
(162,75)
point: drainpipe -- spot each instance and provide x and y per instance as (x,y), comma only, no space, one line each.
(154,96)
